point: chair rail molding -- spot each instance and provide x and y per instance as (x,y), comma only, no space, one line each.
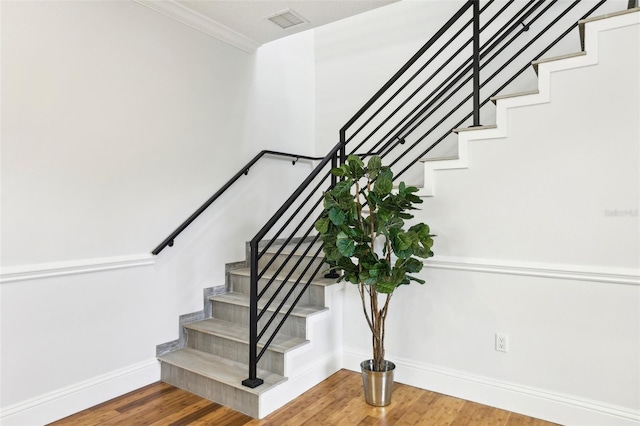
(12,274)
(600,274)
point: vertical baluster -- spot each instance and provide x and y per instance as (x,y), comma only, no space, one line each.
(476,62)
(253,380)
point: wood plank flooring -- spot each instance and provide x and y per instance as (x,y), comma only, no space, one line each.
(336,401)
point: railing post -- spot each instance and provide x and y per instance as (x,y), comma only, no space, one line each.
(476,63)
(334,164)
(343,144)
(334,179)
(253,380)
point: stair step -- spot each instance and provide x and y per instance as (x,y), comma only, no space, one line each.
(296,254)
(240,333)
(556,58)
(234,307)
(474,128)
(494,99)
(427,160)
(215,378)
(231,340)
(582,22)
(314,295)
(240,299)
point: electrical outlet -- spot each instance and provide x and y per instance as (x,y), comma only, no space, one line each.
(502,343)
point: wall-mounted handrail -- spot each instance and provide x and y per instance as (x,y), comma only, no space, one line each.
(243,172)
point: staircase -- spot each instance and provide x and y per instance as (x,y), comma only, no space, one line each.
(215,360)
(306,347)
(587,56)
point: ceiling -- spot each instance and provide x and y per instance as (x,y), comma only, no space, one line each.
(244,23)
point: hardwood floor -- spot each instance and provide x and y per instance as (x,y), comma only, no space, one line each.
(336,401)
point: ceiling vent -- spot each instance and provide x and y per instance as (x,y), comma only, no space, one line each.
(287,19)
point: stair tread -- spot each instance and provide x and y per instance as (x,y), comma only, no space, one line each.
(514,95)
(246,272)
(608,15)
(556,58)
(301,310)
(474,128)
(240,333)
(291,248)
(220,369)
(427,160)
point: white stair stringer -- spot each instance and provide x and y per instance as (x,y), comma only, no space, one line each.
(543,95)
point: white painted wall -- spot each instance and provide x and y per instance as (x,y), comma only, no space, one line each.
(356,56)
(528,246)
(117,123)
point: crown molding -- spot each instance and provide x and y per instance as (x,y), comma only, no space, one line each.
(180,13)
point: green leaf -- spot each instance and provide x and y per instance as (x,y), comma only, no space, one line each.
(354,160)
(385,287)
(418,280)
(395,222)
(345,245)
(383,186)
(413,265)
(322,225)
(373,167)
(337,216)
(338,171)
(356,166)
(342,188)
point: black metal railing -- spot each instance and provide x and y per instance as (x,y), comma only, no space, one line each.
(482,49)
(168,242)
(444,86)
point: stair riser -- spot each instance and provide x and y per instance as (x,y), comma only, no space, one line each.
(293,326)
(299,270)
(205,387)
(233,350)
(314,295)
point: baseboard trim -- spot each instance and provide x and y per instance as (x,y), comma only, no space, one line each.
(565,272)
(541,404)
(69,400)
(83,266)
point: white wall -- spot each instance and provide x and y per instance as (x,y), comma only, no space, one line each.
(356,56)
(117,123)
(527,246)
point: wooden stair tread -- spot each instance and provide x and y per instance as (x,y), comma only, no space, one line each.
(220,369)
(514,95)
(474,128)
(556,58)
(240,333)
(241,299)
(291,248)
(318,280)
(427,160)
(608,15)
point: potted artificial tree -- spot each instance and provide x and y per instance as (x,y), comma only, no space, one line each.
(365,239)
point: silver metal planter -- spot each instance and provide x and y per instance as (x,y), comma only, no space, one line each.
(378,386)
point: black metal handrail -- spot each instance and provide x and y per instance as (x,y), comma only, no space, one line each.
(446,96)
(168,242)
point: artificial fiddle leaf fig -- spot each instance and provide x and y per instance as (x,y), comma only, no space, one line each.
(370,247)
